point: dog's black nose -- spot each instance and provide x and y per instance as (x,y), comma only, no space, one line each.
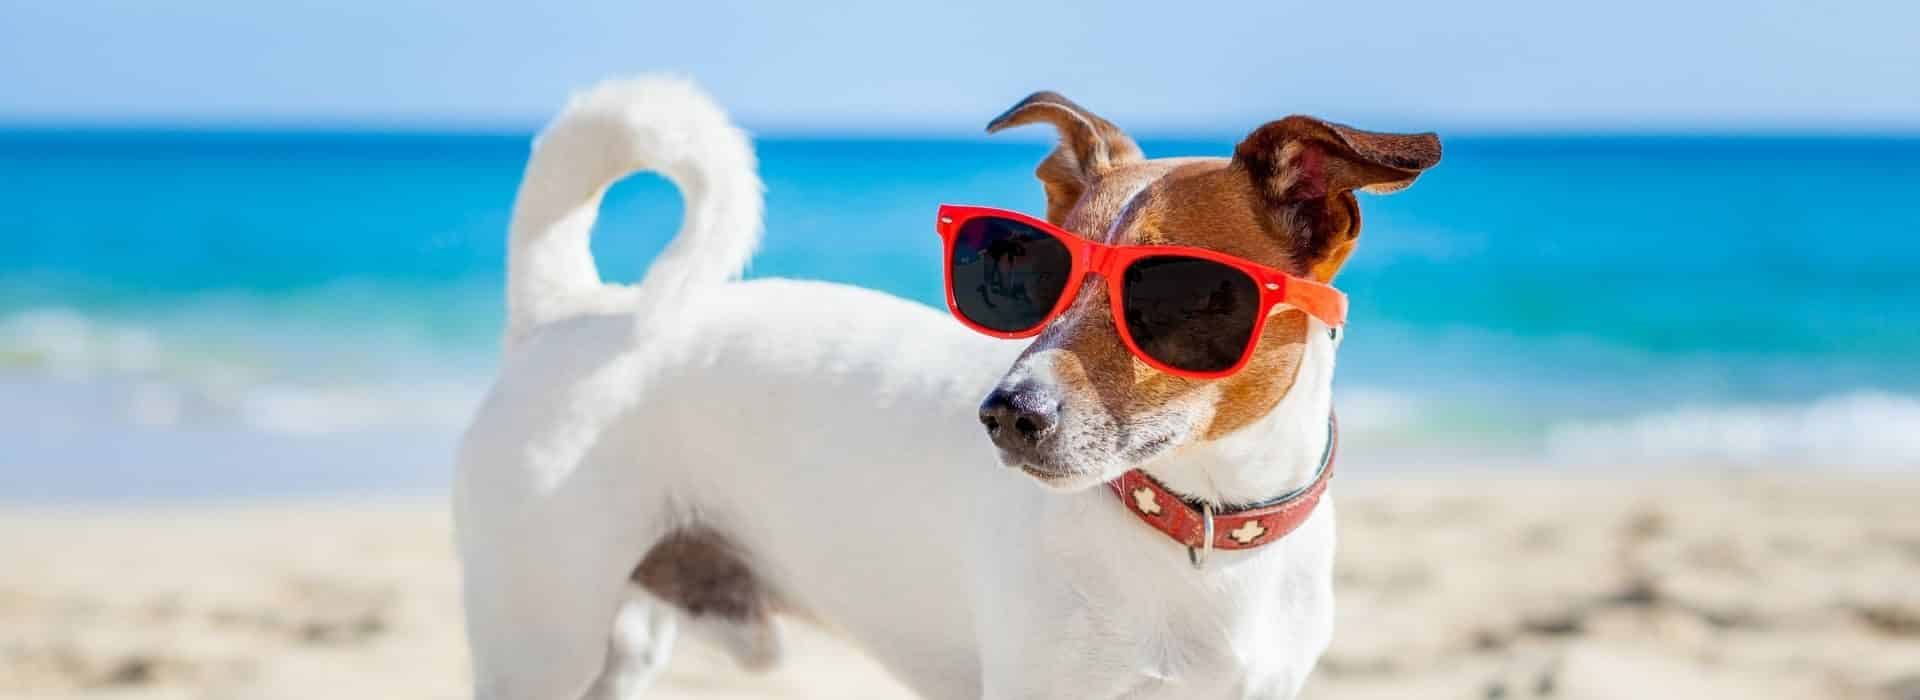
(1019,418)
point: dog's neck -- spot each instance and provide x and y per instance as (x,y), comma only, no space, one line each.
(1275,455)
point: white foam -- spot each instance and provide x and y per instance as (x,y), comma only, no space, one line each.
(1374,410)
(95,377)
(1867,429)
(311,410)
(166,374)
(70,345)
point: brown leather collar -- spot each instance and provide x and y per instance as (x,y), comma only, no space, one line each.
(1191,523)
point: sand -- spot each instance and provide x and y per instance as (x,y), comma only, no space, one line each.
(1472,587)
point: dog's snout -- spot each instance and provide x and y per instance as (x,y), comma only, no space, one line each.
(1019,418)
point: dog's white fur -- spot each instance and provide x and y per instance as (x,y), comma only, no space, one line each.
(830,433)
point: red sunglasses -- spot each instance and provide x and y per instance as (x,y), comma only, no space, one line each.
(1185,311)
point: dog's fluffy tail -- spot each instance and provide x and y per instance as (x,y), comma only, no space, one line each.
(606,133)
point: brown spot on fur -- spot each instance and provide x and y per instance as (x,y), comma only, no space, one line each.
(1214,206)
(1089,148)
(1106,198)
(1247,396)
(1327,158)
(1194,202)
(1284,200)
(699,571)
(1094,362)
(1306,170)
(1343,221)
(1206,204)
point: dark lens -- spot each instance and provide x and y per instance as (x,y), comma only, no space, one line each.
(1191,314)
(1007,275)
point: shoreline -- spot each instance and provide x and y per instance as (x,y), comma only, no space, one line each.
(1752,586)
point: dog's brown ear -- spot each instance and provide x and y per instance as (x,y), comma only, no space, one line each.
(1089,147)
(1306,171)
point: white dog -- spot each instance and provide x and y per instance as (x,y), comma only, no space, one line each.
(702,454)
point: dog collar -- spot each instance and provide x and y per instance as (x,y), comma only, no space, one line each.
(1203,528)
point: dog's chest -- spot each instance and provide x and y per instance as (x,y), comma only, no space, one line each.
(1136,620)
(1174,635)
(1195,650)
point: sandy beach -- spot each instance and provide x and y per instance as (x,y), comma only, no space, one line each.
(1471,587)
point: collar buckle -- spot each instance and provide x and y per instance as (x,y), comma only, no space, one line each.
(1198,555)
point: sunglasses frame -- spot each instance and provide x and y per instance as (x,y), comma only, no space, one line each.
(1110,262)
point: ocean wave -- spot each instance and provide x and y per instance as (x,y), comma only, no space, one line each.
(96,375)
(67,344)
(1373,410)
(1868,429)
(71,372)
(310,410)
(277,408)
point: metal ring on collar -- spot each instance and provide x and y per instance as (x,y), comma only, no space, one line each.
(1198,555)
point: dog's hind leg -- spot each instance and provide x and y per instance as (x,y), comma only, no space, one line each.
(540,612)
(639,647)
(545,587)
(710,582)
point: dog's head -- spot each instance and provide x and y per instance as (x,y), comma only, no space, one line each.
(1077,408)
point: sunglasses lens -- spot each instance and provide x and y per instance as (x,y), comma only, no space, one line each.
(1188,313)
(1006,275)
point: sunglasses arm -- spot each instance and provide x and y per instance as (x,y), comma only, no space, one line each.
(1318,300)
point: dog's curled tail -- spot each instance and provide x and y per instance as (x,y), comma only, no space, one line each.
(606,133)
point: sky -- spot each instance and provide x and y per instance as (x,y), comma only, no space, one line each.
(868,66)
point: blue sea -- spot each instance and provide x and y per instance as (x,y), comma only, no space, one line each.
(204,314)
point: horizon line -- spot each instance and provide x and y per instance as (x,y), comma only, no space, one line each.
(481,129)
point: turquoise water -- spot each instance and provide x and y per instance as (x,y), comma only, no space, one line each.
(212,313)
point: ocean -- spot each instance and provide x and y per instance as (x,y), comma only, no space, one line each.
(222,315)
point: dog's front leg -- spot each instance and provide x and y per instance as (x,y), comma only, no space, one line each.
(1035,671)
(1042,637)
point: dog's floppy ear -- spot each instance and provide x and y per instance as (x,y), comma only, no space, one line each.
(1089,147)
(1306,171)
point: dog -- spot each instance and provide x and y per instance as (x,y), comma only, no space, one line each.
(700,455)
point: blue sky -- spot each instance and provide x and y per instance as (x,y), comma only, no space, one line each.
(1623,65)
